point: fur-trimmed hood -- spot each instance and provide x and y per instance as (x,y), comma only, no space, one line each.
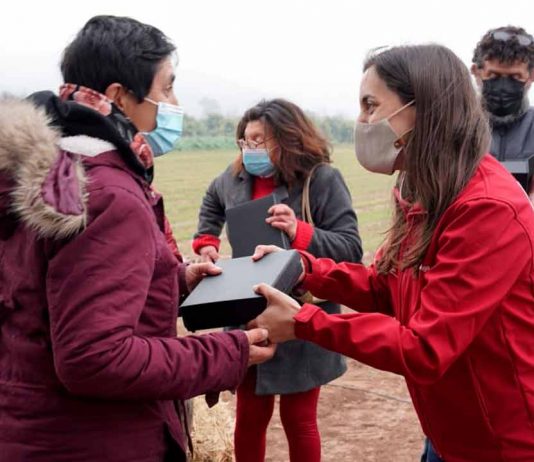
(41,184)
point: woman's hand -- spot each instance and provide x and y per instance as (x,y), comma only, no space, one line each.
(261,250)
(195,272)
(283,218)
(278,316)
(208,254)
(261,349)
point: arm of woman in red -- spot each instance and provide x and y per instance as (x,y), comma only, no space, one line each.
(354,285)
(483,250)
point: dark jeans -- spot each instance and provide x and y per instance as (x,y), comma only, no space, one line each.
(429,455)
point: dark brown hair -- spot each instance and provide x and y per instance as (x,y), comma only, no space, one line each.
(301,145)
(450,136)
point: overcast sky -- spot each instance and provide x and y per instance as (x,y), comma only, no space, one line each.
(238,51)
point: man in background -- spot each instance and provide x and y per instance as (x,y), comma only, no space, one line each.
(503,66)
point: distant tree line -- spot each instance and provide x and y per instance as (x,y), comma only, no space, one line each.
(216,131)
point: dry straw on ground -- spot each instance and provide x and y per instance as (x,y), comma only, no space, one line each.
(212,432)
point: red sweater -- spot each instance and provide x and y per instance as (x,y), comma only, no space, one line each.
(261,187)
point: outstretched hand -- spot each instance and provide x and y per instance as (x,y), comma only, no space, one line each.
(195,272)
(261,250)
(277,318)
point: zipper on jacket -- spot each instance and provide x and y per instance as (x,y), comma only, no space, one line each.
(402,273)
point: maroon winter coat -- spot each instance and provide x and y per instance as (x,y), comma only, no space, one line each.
(89,359)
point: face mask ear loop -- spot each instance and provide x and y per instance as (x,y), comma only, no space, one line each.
(400,140)
(400,109)
(151,101)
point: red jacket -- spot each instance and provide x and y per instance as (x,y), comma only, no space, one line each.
(461,333)
(89,359)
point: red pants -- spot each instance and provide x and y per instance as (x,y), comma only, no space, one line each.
(298,413)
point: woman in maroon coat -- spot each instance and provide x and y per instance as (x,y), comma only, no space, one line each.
(90,366)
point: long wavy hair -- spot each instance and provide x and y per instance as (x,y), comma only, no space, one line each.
(300,143)
(442,152)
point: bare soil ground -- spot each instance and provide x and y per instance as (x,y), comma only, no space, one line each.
(364,416)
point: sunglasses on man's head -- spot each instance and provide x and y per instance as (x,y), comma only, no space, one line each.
(523,39)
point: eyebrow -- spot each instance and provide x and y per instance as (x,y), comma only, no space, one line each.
(365,98)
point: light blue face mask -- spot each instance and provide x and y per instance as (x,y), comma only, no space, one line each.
(169,123)
(257,162)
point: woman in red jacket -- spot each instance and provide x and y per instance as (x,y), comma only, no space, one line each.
(449,300)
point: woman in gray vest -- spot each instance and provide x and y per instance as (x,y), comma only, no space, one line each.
(280,150)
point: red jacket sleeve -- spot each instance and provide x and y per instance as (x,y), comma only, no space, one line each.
(204,240)
(97,287)
(303,236)
(482,251)
(350,284)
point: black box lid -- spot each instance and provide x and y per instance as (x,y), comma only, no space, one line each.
(229,300)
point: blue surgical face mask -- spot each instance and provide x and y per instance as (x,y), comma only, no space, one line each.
(169,123)
(257,162)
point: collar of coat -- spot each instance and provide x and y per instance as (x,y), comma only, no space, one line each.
(42,179)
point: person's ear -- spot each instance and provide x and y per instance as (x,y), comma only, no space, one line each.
(530,79)
(475,71)
(119,95)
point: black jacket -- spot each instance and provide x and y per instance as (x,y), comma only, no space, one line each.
(516,140)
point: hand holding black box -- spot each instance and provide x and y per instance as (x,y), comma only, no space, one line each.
(229,299)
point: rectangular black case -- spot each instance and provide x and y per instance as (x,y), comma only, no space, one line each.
(521,169)
(229,300)
(246,227)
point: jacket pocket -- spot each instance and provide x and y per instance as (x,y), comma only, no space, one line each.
(480,396)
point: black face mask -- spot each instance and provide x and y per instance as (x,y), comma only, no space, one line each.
(503,95)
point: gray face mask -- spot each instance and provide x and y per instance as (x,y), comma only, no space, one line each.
(377,145)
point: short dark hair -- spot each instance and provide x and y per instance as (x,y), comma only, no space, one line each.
(506,51)
(111,49)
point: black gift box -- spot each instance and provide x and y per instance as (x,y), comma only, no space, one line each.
(246,227)
(521,169)
(229,300)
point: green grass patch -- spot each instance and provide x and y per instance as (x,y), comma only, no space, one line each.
(183,177)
